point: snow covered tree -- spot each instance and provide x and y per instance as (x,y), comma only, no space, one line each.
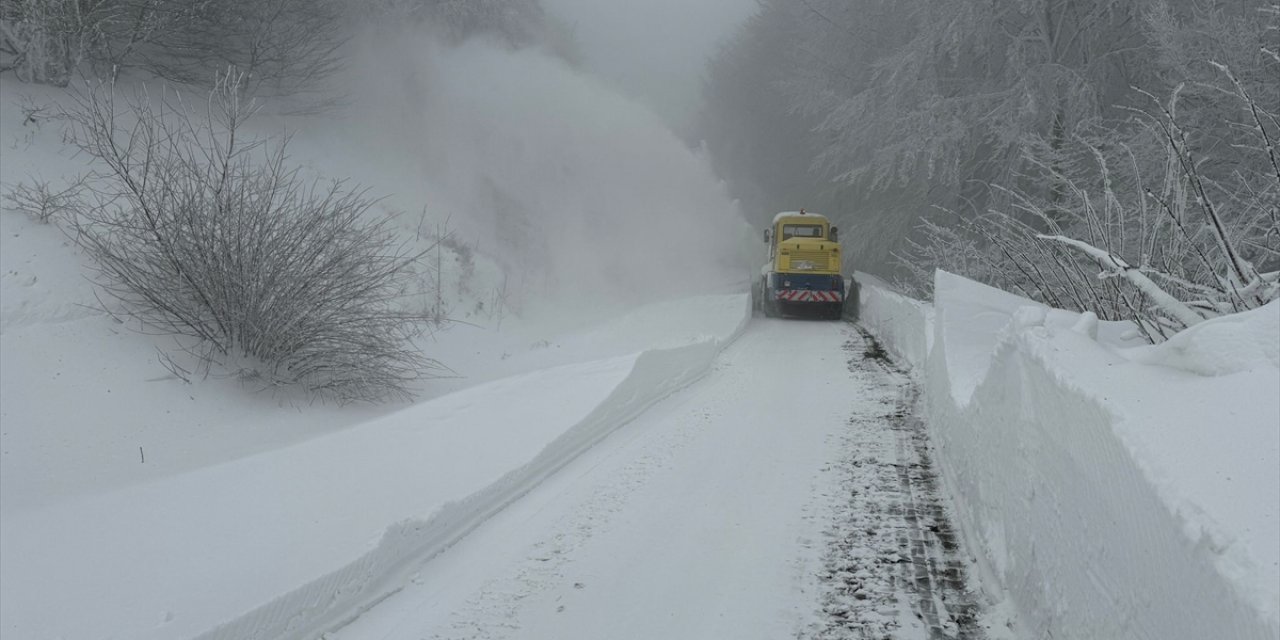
(1179,206)
(757,143)
(283,45)
(46,41)
(958,99)
(915,106)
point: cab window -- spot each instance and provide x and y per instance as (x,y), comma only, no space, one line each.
(801,231)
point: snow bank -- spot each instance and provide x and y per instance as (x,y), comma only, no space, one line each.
(1108,492)
(901,323)
(1222,346)
(325,527)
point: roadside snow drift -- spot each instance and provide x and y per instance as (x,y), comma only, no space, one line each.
(288,542)
(1111,490)
(904,325)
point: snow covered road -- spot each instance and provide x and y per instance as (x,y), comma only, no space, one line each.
(772,499)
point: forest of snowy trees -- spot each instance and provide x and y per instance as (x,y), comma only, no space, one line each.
(282,46)
(1028,144)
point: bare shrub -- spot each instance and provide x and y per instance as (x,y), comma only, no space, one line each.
(42,202)
(499,302)
(203,232)
(941,246)
(434,304)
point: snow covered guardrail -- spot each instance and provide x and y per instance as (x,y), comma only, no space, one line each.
(1109,490)
(292,542)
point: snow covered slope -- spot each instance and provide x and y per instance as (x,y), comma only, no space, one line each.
(279,543)
(1113,491)
(156,509)
(150,506)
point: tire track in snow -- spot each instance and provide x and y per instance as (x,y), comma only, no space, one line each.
(724,472)
(494,611)
(892,567)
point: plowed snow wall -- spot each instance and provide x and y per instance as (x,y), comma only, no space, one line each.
(903,325)
(1064,521)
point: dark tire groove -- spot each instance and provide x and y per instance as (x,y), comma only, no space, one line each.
(893,567)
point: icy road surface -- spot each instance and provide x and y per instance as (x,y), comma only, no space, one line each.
(785,495)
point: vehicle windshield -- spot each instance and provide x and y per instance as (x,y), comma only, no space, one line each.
(801,231)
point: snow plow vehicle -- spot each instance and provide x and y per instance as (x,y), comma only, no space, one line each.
(802,276)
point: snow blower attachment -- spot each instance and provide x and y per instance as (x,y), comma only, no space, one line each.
(802,276)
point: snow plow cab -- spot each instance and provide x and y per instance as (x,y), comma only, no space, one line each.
(802,276)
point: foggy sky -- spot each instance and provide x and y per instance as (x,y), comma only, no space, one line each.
(653,50)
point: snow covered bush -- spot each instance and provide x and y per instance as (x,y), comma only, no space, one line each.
(203,232)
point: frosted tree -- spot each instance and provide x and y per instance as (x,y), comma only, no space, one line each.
(762,148)
(283,46)
(1168,218)
(970,83)
(907,107)
(47,41)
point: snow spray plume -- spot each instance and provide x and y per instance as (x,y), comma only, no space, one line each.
(583,196)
